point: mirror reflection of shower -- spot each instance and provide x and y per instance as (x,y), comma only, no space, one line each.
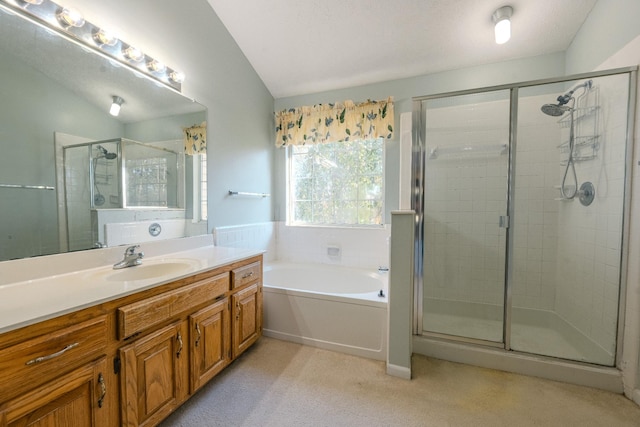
(568,103)
(103,178)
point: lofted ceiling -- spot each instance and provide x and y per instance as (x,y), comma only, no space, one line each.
(307,46)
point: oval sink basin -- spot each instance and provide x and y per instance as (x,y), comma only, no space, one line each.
(150,270)
(147,271)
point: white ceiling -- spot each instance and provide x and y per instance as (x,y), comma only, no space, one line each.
(307,46)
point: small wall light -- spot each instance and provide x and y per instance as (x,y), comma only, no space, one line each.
(115,106)
(501,18)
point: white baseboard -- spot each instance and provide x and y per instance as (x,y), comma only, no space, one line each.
(399,371)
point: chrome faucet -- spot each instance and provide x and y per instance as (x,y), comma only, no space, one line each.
(131,258)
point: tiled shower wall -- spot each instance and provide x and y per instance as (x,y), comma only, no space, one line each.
(352,247)
(590,237)
(535,225)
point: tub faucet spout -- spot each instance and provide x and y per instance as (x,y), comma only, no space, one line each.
(131,258)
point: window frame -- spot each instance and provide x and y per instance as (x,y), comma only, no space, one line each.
(290,192)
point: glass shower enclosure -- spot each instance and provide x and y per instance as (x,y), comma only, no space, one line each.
(521,204)
(117,174)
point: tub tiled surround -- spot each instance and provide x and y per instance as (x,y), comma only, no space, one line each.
(351,247)
(260,236)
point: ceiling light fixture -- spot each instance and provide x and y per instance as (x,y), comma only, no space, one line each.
(502,21)
(115,105)
(70,24)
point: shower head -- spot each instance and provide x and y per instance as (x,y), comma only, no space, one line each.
(554,110)
(104,153)
(560,108)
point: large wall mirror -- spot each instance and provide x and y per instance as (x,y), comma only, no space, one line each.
(67,167)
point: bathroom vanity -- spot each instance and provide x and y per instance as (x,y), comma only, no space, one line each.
(133,357)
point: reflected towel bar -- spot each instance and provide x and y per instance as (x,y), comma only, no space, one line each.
(241,193)
(28,187)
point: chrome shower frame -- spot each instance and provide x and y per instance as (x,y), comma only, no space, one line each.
(419,153)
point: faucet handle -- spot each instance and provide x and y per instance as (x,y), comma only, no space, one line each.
(131,250)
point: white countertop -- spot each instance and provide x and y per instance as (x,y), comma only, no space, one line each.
(27,302)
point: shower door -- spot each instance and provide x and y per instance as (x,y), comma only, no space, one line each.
(524,215)
(465,214)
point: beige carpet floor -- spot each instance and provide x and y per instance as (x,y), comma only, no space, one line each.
(277,383)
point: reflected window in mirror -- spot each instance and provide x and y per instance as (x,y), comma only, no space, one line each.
(200,187)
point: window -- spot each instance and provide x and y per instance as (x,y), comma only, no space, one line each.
(338,183)
(200,187)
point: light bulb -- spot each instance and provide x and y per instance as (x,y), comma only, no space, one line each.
(70,18)
(177,76)
(105,38)
(503,31)
(156,66)
(133,54)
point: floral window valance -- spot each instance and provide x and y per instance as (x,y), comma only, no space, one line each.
(195,139)
(338,122)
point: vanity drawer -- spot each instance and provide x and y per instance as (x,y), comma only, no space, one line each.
(136,317)
(38,360)
(247,274)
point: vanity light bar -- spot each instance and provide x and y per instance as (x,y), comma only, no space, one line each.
(70,24)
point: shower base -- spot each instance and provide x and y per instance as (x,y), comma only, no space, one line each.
(539,332)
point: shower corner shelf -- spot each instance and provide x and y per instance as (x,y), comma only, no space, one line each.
(586,148)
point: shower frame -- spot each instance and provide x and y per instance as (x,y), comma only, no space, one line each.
(419,153)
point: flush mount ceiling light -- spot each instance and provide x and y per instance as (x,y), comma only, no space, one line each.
(502,21)
(70,24)
(115,105)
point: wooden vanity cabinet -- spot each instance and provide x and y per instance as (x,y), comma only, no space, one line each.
(75,399)
(154,370)
(246,313)
(57,378)
(134,360)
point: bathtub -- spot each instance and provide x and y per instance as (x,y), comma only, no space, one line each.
(327,306)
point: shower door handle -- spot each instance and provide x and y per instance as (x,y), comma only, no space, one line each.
(503,221)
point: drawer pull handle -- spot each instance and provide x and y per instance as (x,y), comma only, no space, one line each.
(179,338)
(103,390)
(52,356)
(199,335)
(247,275)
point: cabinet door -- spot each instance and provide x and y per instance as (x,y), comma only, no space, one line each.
(210,342)
(246,306)
(78,398)
(153,375)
